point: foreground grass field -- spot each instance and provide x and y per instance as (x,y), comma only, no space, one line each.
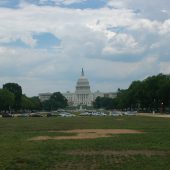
(144,151)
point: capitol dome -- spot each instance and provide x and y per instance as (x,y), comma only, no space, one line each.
(82,86)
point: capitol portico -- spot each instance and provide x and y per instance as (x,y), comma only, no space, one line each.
(82,95)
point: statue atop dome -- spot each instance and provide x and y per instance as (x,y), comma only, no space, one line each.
(82,73)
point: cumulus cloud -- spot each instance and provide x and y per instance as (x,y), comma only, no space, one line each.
(113,43)
(117,3)
(81,21)
(59,2)
(121,44)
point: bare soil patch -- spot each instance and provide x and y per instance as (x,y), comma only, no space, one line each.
(120,119)
(87,134)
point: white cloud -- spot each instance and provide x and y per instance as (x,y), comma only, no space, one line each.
(117,3)
(164,11)
(88,39)
(121,44)
(59,2)
(165,29)
(145,24)
(32,19)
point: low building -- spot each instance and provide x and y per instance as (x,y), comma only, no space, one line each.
(110,95)
(44,96)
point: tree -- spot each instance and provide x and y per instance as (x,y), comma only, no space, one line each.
(149,95)
(104,102)
(46,105)
(97,103)
(56,101)
(36,104)
(26,103)
(17,91)
(30,103)
(6,99)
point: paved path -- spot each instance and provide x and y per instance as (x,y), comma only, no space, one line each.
(154,115)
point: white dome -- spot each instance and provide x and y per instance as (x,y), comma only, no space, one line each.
(82,84)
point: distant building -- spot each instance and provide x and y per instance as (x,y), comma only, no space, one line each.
(110,95)
(82,95)
(44,96)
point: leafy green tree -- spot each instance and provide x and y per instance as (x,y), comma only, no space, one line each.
(122,101)
(97,103)
(104,102)
(56,101)
(148,95)
(26,103)
(30,103)
(6,99)
(46,105)
(36,104)
(17,91)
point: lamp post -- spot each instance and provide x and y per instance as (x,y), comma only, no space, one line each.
(9,109)
(154,106)
(162,107)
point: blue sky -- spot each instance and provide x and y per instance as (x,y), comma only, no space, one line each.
(45,43)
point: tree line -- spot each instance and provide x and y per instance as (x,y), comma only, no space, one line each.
(151,94)
(12,100)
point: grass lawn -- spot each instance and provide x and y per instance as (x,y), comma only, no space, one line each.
(145,151)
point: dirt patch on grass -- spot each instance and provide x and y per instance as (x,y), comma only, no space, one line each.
(119,153)
(120,119)
(87,134)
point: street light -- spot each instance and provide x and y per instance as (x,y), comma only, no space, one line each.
(162,107)
(154,108)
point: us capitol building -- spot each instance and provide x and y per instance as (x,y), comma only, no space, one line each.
(82,96)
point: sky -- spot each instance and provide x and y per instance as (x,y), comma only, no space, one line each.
(44,44)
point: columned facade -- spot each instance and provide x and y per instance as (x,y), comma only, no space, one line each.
(83,95)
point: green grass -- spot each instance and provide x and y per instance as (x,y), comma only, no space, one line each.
(17,152)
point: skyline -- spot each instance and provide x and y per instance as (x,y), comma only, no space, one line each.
(45,43)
